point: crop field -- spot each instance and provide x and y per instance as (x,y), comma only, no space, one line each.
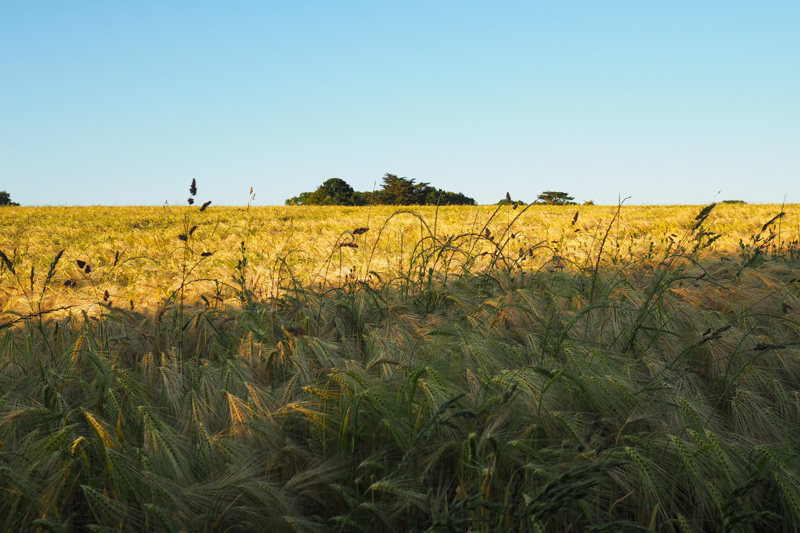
(315,369)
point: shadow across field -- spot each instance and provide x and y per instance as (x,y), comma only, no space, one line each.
(657,393)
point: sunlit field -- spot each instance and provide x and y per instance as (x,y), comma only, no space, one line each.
(136,253)
(575,368)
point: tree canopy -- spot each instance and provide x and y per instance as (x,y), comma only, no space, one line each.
(394,191)
(334,191)
(5,199)
(402,191)
(555,198)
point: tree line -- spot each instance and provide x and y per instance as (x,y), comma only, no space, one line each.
(394,191)
(406,191)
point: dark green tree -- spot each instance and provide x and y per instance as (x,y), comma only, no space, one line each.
(440,197)
(362,198)
(300,199)
(334,191)
(5,199)
(555,198)
(402,191)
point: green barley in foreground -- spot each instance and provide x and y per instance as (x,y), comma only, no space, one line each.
(475,384)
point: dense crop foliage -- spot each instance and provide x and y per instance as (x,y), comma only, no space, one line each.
(466,369)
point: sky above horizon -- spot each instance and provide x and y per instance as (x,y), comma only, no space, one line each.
(663,102)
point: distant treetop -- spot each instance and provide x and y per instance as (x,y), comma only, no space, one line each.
(555,198)
(5,199)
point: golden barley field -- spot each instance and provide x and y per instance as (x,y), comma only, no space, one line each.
(136,255)
(388,369)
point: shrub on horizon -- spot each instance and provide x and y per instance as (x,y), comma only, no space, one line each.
(5,199)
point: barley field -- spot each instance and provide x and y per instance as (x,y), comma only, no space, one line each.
(315,369)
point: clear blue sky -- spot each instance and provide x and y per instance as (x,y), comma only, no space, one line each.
(666,102)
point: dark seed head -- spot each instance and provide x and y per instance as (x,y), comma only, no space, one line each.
(190,200)
(193,188)
(183,237)
(105,296)
(88,269)
(206,254)
(192,230)
(80,263)
(205,205)
(297,331)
